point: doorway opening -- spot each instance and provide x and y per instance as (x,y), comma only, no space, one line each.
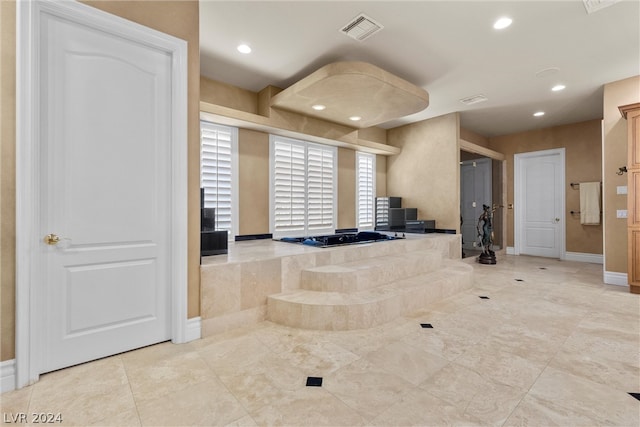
(482,182)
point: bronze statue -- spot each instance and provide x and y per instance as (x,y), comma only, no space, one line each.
(485,235)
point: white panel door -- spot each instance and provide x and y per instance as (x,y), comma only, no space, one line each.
(475,190)
(541,197)
(105,192)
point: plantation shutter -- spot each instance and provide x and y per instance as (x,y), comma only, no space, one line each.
(215,171)
(289,187)
(303,180)
(366,189)
(320,171)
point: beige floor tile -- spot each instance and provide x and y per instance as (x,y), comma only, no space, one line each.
(437,342)
(264,382)
(311,406)
(604,343)
(487,401)
(279,339)
(86,394)
(127,418)
(362,342)
(406,361)
(205,403)
(420,408)
(624,322)
(621,375)
(534,412)
(366,388)
(16,402)
(495,363)
(525,340)
(163,376)
(582,396)
(245,421)
(225,356)
(152,354)
(319,358)
(100,406)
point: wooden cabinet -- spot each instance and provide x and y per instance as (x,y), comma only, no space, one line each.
(632,114)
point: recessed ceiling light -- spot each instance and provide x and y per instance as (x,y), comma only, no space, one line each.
(557,88)
(318,107)
(502,23)
(355,118)
(547,72)
(243,48)
(539,114)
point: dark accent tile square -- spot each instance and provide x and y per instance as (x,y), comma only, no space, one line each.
(314,381)
(636,395)
(519,280)
(426,325)
(483,297)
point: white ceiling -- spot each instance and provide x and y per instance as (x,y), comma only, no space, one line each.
(449,48)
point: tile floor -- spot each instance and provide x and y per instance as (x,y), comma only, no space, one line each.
(552,345)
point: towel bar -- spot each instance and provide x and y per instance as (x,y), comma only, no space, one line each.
(577,184)
(577,212)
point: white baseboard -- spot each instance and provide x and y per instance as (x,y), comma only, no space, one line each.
(194,329)
(613,278)
(511,250)
(583,257)
(7,375)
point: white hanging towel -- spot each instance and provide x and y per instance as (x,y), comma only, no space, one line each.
(590,203)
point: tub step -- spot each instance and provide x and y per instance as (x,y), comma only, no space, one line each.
(331,310)
(369,273)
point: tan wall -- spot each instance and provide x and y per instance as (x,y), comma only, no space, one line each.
(7,178)
(426,174)
(473,137)
(219,93)
(253,177)
(618,93)
(178,18)
(346,188)
(583,157)
(381,176)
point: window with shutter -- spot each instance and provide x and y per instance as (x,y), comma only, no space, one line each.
(218,173)
(303,179)
(365,190)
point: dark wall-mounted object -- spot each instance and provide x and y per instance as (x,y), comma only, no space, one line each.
(207,219)
(383,205)
(244,237)
(212,241)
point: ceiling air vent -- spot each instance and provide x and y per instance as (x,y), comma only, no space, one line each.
(361,27)
(595,5)
(473,99)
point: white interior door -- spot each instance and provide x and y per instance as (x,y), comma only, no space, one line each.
(540,203)
(475,190)
(105,142)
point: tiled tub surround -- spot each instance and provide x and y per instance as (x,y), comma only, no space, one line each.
(236,287)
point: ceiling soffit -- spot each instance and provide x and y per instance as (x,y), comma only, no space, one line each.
(348,89)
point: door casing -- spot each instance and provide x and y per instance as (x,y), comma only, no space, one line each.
(29,271)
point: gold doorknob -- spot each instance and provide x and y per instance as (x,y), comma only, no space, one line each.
(51,239)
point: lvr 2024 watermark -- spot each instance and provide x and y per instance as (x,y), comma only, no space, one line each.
(32,418)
